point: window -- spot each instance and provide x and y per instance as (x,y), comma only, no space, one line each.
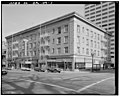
(78,39)
(78,28)
(87,42)
(104,9)
(59,40)
(53,41)
(78,50)
(33,36)
(83,40)
(83,50)
(34,45)
(31,53)
(27,53)
(95,35)
(53,50)
(30,45)
(91,43)
(98,45)
(59,30)
(91,33)
(83,29)
(95,43)
(91,51)
(66,49)
(34,53)
(95,52)
(98,37)
(104,17)
(66,28)
(87,32)
(66,39)
(111,7)
(87,51)
(53,31)
(98,53)
(58,50)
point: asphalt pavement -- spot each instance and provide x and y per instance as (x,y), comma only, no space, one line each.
(31,82)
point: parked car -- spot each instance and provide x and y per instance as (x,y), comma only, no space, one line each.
(8,68)
(4,72)
(39,69)
(56,70)
(25,69)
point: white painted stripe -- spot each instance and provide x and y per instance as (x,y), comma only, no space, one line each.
(88,86)
(50,85)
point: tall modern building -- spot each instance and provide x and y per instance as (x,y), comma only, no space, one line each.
(68,42)
(103,15)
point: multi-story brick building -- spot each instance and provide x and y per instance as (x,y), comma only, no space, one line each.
(22,49)
(103,15)
(65,42)
(3,54)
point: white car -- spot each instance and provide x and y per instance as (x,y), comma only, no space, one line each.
(25,69)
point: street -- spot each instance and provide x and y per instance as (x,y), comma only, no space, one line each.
(31,82)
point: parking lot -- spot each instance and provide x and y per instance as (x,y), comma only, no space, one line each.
(66,82)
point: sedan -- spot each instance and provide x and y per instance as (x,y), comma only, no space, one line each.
(54,70)
(39,70)
(4,72)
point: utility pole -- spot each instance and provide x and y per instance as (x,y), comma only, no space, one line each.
(92,54)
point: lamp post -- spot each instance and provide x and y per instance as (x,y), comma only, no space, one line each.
(92,54)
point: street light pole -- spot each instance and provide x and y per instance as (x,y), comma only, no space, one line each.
(92,54)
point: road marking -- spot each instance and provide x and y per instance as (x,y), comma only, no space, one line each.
(50,85)
(84,88)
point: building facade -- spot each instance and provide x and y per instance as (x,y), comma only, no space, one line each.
(3,54)
(103,15)
(66,42)
(22,48)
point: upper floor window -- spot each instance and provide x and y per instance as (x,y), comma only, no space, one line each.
(87,42)
(53,31)
(59,40)
(58,50)
(91,33)
(78,39)
(83,40)
(66,28)
(34,45)
(34,53)
(59,30)
(66,39)
(83,29)
(78,49)
(87,32)
(87,51)
(78,28)
(65,49)
(83,50)
(91,43)
(95,35)
(53,50)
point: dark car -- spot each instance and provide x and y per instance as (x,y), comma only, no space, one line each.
(4,72)
(39,70)
(54,70)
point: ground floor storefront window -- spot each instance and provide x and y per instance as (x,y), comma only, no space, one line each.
(62,65)
(79,65)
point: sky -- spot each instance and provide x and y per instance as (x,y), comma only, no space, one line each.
(16,18)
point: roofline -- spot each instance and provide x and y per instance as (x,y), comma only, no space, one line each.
(73,14)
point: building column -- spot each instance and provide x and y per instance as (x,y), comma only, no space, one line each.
(73,64)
